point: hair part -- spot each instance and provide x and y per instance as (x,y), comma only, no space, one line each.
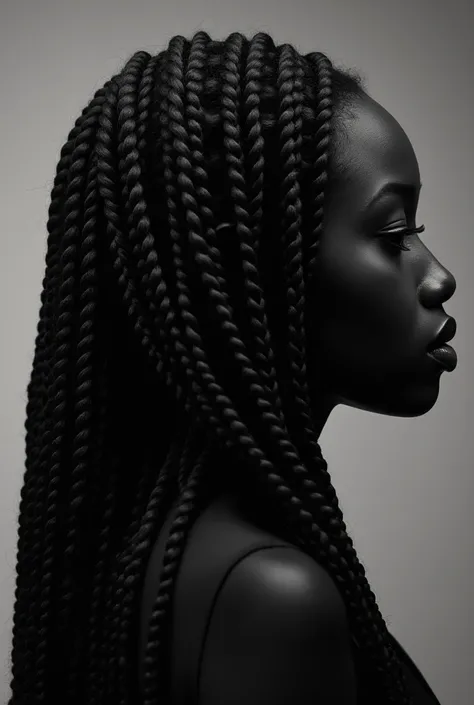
(159,362)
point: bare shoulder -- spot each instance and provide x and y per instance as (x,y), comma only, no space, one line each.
(278,635)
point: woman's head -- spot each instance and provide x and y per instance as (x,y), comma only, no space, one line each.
(374,308)
(172,353)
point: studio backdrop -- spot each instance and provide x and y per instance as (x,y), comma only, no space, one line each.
(406,486)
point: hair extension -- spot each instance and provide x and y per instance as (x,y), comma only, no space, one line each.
(171,346)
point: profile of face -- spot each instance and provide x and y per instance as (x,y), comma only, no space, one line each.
(373,309)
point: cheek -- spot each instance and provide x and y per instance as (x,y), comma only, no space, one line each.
(361,308)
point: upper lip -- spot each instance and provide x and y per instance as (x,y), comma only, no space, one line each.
(445,333)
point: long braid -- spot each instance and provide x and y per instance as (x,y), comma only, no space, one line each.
(133,227)
(85,464)
(54,435)
(260,46)
(106,500)
(37,394)
(192,499)
(130,561)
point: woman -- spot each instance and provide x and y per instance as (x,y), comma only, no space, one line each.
(232,252)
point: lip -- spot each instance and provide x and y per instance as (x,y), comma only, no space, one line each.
(444,335)
(445,356)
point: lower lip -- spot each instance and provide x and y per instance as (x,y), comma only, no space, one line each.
(445,356)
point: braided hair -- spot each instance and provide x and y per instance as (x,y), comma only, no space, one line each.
(170,347)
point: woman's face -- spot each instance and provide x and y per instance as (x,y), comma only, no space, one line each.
(374,309)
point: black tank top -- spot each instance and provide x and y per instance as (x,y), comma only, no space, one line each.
(232,539)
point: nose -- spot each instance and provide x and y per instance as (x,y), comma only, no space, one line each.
(438,286)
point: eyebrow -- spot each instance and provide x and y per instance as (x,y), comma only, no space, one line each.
(405,190)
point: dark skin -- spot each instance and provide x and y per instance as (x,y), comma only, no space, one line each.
(375,308)
(279,632)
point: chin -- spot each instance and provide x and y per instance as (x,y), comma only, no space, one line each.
(415,402)
(406,402)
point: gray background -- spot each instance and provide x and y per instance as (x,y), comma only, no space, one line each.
(406,485)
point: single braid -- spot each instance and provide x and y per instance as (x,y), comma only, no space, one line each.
(255,171)
(106,500)
(192,500)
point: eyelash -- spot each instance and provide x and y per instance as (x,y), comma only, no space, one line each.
(402,235)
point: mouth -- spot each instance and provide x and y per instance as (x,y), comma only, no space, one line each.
(444,335)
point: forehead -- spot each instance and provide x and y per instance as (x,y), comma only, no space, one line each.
(375,149)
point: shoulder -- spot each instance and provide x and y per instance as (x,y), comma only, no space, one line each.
(278,634)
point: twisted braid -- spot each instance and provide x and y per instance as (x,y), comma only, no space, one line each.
(106,494)
(192,501)
(83,459)
(34,482)
(255,173)
(169,348)
(54,433)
